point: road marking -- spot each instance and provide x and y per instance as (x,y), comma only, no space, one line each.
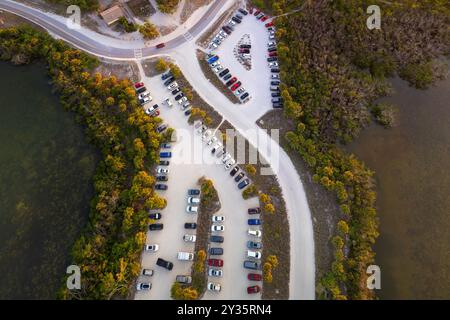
(138,53)
(188,36)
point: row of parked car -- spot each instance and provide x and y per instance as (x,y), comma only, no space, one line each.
(227,29)
(215,264)
(230,81)
(254,251)
(177,93)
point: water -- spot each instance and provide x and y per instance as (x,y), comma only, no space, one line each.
(412,165)
(46,167)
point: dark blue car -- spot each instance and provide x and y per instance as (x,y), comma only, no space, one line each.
(213,59)
(254,222)
(165,154)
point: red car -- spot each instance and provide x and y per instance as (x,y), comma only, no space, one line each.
(161,45)
(257,12)
(251,10)
(253,289)
(254,277)
(231,81)
(235,86)
(273,54)
(137,85)
(215,262)
(270,24)
(156,113)
(264,18)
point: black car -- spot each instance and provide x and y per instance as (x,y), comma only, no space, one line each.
(161,128)
(226,29)
(277,100)
(272,49)
(254,210)
(245,46)
(193,192)
(165,264)
(276,94)
(236,19)
(224,72)
(217,239)
(277,105)
(230,82)
(169,81)
(190,225)
(245,95)
(270,59)
(155,106)
(162,178)
(243,184)
(141,89)
(216,251)
(275,70)
(155,226)
(166,75)
(161,186)
(177,90)
(164,162)
(228,76)
(244,12)
(275,83)
(188,112)
(155,216)
(234,171)
(178,97)
(239,177)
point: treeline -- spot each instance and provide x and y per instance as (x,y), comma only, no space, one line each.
(333,69)
(108,251)
(167,6)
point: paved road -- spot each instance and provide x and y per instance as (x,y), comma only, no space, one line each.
(302,284)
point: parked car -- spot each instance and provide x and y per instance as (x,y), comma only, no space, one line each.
(183,279)
(147,272)
(244,50)
(176,91)
(185,256)
(218,218)
(277,105)
(162,170)
(227,76)
(169,81)
(172,86)
(275,70)
(214,287)
(217,147)
(254,265)
(218,69)
(137,85)
(165,264)
(272,49)
(253,289)
(275,94)
(254,277)
(215,64)
(193,200)
(229,164)
(160,186)
(246,46)
(273,54)
(191,209)
(141,90)
(178,97)
(255,210)
(235,86)
(193,192)
(254,222)
(213,59)
(144,100)
(244,96)
(155,216)
(143,286)
(166,75)
(272,59)
(257,12)
(168,102)
(254,254)
(189,238)
(217,228)
(255,233)
(234,171)
(188,112)
(254,245)
(269,24)
(226,29)
(239,177)
(215,262)
(239,91)
(271,37)
(151,247)
(183,100)
(216,251)
(218,239)
(161,128)
(155,226)
(165,154)
(215,272)
(224,72)
(231,81)
(273,64)
(162,178)
(160,45)
(190,225)
(236,19)
(243,184)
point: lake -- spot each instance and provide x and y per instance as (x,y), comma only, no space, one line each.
(46,169)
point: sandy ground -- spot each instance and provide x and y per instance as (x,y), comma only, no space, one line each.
(184,175)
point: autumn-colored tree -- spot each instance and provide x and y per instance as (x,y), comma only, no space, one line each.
(148,31)
(161,65)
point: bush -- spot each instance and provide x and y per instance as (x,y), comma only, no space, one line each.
(167,6)
(250,192)
(148,31)
(161,65)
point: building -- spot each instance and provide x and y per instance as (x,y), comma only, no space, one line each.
(112,14)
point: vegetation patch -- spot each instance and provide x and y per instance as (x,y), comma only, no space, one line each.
(148,31)
(167,6)
(141,8)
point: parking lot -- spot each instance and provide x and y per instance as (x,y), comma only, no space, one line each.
(183,176)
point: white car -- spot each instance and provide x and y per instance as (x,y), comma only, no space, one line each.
(218,69)
(217,147)
(255,233)
(168,102)
(182,100)
(197,124)
(145,100)
(217,228)
(212,140)
(185,256)
(226,157)
(202,129)
(193,200)
(229,164)
(213,45)
(239,91)
(173,86)
(207,134)
(254,254)
(232,22)
(272,37)
(213,286)
(215,64)
(223,33)
(191,209)
(275,76)
(144,94)
(220,152)
(147,272)
(218,218)
(189,238)
(273,64)
(162,170)
(151,247)
(143,286)
(215,272)
(271,44)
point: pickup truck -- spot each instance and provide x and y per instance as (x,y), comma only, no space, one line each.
(185,256)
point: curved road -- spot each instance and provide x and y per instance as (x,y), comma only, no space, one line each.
(302,275)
